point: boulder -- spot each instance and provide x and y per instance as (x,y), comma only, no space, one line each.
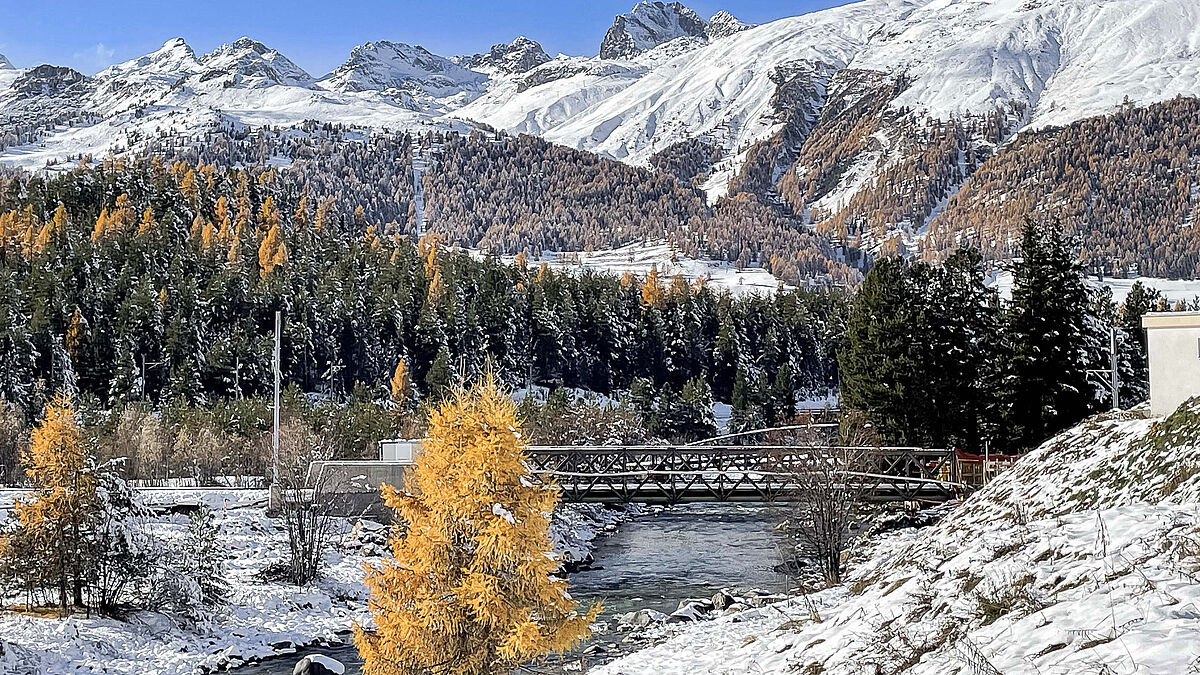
(734,608)
(642,618)
(703,604)
(721,600)
(687,613)
(318,664)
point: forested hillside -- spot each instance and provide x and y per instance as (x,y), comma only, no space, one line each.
(1126,183)
(175,271)
(517,193)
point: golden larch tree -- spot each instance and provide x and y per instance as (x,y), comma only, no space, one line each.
(48,232)
(224,222)
(148,222)
(469,589)
(401,384)
(63,498)
(324,216)
(652,289)
(76,334)
(102,225)
(300,217)
(272,252)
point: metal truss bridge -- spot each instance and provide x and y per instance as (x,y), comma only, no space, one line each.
(747,473)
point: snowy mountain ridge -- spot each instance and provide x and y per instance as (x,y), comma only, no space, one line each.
(412,70)
(519,56)
(664,76)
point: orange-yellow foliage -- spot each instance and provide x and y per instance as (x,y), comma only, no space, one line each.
(272,252)
(148,222)
(652,289)
(469,589)
(64,488)
(400,383)
(76,334)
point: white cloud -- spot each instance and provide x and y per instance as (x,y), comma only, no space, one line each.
(97,57)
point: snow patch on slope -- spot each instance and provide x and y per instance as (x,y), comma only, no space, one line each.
(639,259)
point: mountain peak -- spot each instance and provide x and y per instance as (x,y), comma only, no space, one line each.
(174,59)
(519,56)
(5,64)
(248,62)
(649,24)
(395,65)
(48,80)
(723,24)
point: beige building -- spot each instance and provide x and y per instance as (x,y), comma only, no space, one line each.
(1173,345)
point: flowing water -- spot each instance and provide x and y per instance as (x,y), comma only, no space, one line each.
(652,562)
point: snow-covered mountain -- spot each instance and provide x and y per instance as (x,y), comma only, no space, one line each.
(5,64)
(519,56)
(413,70)
(649,25)
(722,90)
(809,110)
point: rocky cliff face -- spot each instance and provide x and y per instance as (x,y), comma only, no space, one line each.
(723,24)
(650,24)
(47,80)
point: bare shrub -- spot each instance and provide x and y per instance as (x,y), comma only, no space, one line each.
(828,500)
(996,598)
(306,501)
(141,444)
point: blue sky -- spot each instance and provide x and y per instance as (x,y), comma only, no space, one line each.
(89,35)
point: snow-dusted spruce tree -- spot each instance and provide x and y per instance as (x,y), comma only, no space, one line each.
(1045,385)
(469,589)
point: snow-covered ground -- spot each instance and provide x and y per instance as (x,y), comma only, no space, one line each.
(639,258)
(1173,290)
(1084,558)
(259,614)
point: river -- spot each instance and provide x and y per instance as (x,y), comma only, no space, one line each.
(652,562)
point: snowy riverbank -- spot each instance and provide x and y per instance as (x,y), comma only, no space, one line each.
(261,620)
(1083,559)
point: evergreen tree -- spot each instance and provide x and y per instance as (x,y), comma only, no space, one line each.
(1045,384)
(440,376)
(885,370)
(1139,301)
(965,333)
(695,413)
(469,590)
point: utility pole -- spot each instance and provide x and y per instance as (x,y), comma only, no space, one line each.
(275,435)
(1113,372)
(1116,377)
